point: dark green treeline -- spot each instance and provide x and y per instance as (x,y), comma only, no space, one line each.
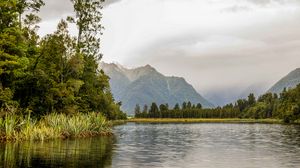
(58,72)
(285,106)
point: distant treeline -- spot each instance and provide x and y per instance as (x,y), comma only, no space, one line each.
(284,106)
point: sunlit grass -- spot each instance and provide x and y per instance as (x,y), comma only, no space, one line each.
(17,128)
(202,120)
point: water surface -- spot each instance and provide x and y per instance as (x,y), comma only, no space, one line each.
(90,152)
(166,145)
(207,145)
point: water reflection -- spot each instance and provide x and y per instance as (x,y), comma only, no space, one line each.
(207,145)
(92,152)
(166,145)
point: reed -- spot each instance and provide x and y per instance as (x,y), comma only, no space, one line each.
(20,128)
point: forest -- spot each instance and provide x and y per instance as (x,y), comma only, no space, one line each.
(285,106)
(54,74)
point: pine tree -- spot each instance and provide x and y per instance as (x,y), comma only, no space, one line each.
(189,105)
(251,99)
(176,107)
(199,106)
(13,59)
(184,105)
(145,111)
(154,111)
(137,111)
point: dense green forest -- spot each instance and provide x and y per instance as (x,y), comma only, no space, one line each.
(285,106)
(57,73)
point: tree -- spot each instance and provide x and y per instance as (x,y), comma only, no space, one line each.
(53,85)
(31,7)
(251,99)
(137,111)
(153,112)
(184,105)
(176,107)
(88,20)
(199,106)
(163,107)
(189,105)
(13,59)
(241,104)
(95,93)
(145,111)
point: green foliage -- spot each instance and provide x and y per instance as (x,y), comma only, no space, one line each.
(198,106)
(55,74)
(16,127)
(137,110)
(267,106)
(176,107)
(88,21)
(154,111)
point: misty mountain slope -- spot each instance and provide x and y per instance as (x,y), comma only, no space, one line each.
(115,73)
(183,91)
(289,81)
(145,85)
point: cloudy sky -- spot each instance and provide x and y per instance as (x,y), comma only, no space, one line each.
(223,48)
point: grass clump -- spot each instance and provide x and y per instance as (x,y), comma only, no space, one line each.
(17,128)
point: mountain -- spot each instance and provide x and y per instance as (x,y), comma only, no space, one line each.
(145,85)
(289,81)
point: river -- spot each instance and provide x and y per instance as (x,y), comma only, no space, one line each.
(205,145)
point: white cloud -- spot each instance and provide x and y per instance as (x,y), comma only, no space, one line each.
(214,44)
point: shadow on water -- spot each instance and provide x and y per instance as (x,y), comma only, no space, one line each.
(91,152)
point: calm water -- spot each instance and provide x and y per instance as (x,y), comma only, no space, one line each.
(167,145)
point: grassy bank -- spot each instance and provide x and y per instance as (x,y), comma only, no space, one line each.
(21,128)
(203,120)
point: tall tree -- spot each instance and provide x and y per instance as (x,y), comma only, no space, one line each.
(189,105)
(153,112)
(13,59)
(137,111)
(176,107)
(29,6)
(88,20)
(184,105)
(95,93)
(163,107)
(199,106)
(251,99)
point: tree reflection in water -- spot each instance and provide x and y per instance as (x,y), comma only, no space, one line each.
(91,152)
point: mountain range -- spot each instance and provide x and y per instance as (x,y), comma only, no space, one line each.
(144,85)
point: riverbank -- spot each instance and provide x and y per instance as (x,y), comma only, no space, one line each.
(53,126)
(204,120)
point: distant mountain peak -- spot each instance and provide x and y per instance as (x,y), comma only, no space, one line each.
(148,66)
(144,85)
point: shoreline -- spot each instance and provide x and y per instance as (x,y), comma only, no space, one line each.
(206,120)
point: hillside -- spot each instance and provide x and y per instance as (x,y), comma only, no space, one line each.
(289,81)
(145,85)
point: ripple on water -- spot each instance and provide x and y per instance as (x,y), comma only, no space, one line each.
(207,145)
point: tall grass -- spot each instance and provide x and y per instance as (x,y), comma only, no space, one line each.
(15,128)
